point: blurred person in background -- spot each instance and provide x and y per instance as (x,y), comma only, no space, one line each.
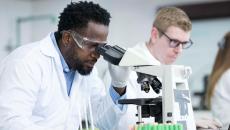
(218,94)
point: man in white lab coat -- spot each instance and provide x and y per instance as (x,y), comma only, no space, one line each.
(43,84)
(170,34)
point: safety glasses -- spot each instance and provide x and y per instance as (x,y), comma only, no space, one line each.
(84,42)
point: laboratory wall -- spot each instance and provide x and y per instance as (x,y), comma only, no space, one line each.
(10,11)
(131,23)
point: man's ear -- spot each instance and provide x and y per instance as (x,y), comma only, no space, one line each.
(66,37)
(154,34)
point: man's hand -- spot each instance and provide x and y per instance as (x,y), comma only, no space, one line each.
(208,124)
(119,77)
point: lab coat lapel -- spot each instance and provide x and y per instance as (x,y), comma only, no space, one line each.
(48,49)
(76,100)
(75,90)
(61,76)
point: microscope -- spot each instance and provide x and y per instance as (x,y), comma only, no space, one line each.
(174,106)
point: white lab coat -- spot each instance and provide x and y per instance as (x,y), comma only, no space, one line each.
(133,90)
(33,93)
(220,101)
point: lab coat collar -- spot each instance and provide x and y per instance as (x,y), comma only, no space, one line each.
(142,50)
(47,47)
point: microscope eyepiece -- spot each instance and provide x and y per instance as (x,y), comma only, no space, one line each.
(112,54)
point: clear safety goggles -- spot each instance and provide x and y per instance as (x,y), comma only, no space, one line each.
(84,42)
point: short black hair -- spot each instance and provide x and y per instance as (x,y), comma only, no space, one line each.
(77,15)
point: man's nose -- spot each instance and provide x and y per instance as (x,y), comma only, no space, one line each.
(179,48)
